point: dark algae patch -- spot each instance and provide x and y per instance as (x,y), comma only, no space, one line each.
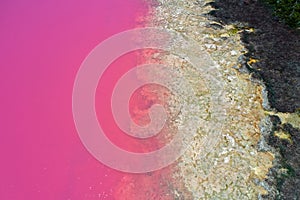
(274,45)
(285,175)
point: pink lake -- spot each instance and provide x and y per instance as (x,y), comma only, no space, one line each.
(43,44)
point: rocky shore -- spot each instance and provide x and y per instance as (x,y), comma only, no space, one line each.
(258,148)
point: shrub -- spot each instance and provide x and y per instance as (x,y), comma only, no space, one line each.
(287,10)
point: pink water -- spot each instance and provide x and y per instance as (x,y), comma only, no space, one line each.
(138,106)
(42,44)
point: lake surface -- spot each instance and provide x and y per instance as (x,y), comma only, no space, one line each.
(43,44)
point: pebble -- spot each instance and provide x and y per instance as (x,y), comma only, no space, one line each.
(233,53)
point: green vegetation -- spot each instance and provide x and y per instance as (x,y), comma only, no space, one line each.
(287,10)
